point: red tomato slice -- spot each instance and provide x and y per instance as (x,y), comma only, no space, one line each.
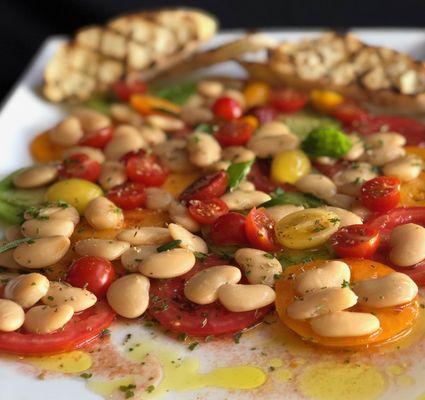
(207,211)
(355,241)
(99,138)
(288,100)
(92,273)
(81,330)
(331,169)
(146,168)
(263,113)
(234,133)
(229,229)
(348,113)
(170,307)
(128,196)
(412,130)
(80,166)
(259,229)
(206,187)
(226,108)
(259,175)
(381,193)
(124,90)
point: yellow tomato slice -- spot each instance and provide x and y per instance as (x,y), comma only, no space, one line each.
(43,150)
(289,166)
(256,94)
(395,321)
(413,192)
(325,100)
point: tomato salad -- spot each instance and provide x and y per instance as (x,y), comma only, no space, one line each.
(187,206)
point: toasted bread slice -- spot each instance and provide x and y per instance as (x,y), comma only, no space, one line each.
(345,64)
(137,45)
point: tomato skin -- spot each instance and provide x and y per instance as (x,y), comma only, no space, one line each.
(128,196)
(355,241)
(234,133)
(99,138)
(287,100)
(348,112)
(263,113)
(171,308)
(206,187)
(229,229)
(259,229)
(92,273)
(207,211)
(226,108)
(381,193)
(146,168)
(124,90)
(83,328)
(80,166)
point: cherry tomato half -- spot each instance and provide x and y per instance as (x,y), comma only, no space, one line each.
(92,273)
(124,90)
(288,100)
(229,229)
(128,196)
(355,241)
(348,113)
(381,193)
(206,187)
(146,168)
(234,133)
(207,211)
(259,228)
(226,108)
(80,166)
(98,138)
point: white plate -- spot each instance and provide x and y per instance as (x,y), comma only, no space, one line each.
(401,373)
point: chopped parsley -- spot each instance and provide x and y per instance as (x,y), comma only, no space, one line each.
(193,346)
(86,375)
(168,246)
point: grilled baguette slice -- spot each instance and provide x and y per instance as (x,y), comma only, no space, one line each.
(136,45)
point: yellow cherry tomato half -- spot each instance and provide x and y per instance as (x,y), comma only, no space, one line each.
(256,94)
(77,192)
(289,166)
(306,229)
(325,100)
(412,193)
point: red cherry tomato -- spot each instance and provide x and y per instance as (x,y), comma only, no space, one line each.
(80,166)
(348,113)
(357,241)
(229,229)
(259,229)
(226,108)
(146,168)
(259,175)
(234,133)
(83,328)
(288,100)
(128,196)
(124,90)
(170,307)
(98,138)
(263,113)
(331,169)
(207,211)
(206,187)
(417,273)
(92,273)
(381,193)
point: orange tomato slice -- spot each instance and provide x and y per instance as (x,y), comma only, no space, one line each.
(146,104)
(395,321)
(43,150)
(412,193)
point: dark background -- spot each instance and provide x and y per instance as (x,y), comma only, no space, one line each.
(24,24)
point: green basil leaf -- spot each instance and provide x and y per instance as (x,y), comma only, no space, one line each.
(207,128)
(168,246)
(296,198)
(99,104)
(9,214)
(178,93)
(237,172)
(15,244)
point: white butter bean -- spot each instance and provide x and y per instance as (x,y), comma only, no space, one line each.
(109,249)
(203,287)
(350,180)
(341,200)
(149,235)
(210,88)
(345,217)
(12,316)
(112,174)
(244,200)
(91,152)
(237,154)
(179,214)
(407,245)
(157,199)
(27,290)
(36,176)
(37,228)
(101,213)
(67,133)
(196,115)
(318,185)
(168,264)
(152,136)
(240,298)
(133,257)
(326,275)
(258,266)
(12,233)
(246,186)
(41,253)
(124,114)
(405,168)
(126,138)
(188,240)
(276,213)
(45,319)
(384,147)
(357,148)
(7,260)
(62,211)
(61,293)
(203,149)
(391,290)
(174,155)
(91,120)
(322,302)
(129,296)
(165,123)
(268,146)
(345,324)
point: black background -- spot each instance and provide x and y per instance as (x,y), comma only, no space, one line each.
(24,24)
